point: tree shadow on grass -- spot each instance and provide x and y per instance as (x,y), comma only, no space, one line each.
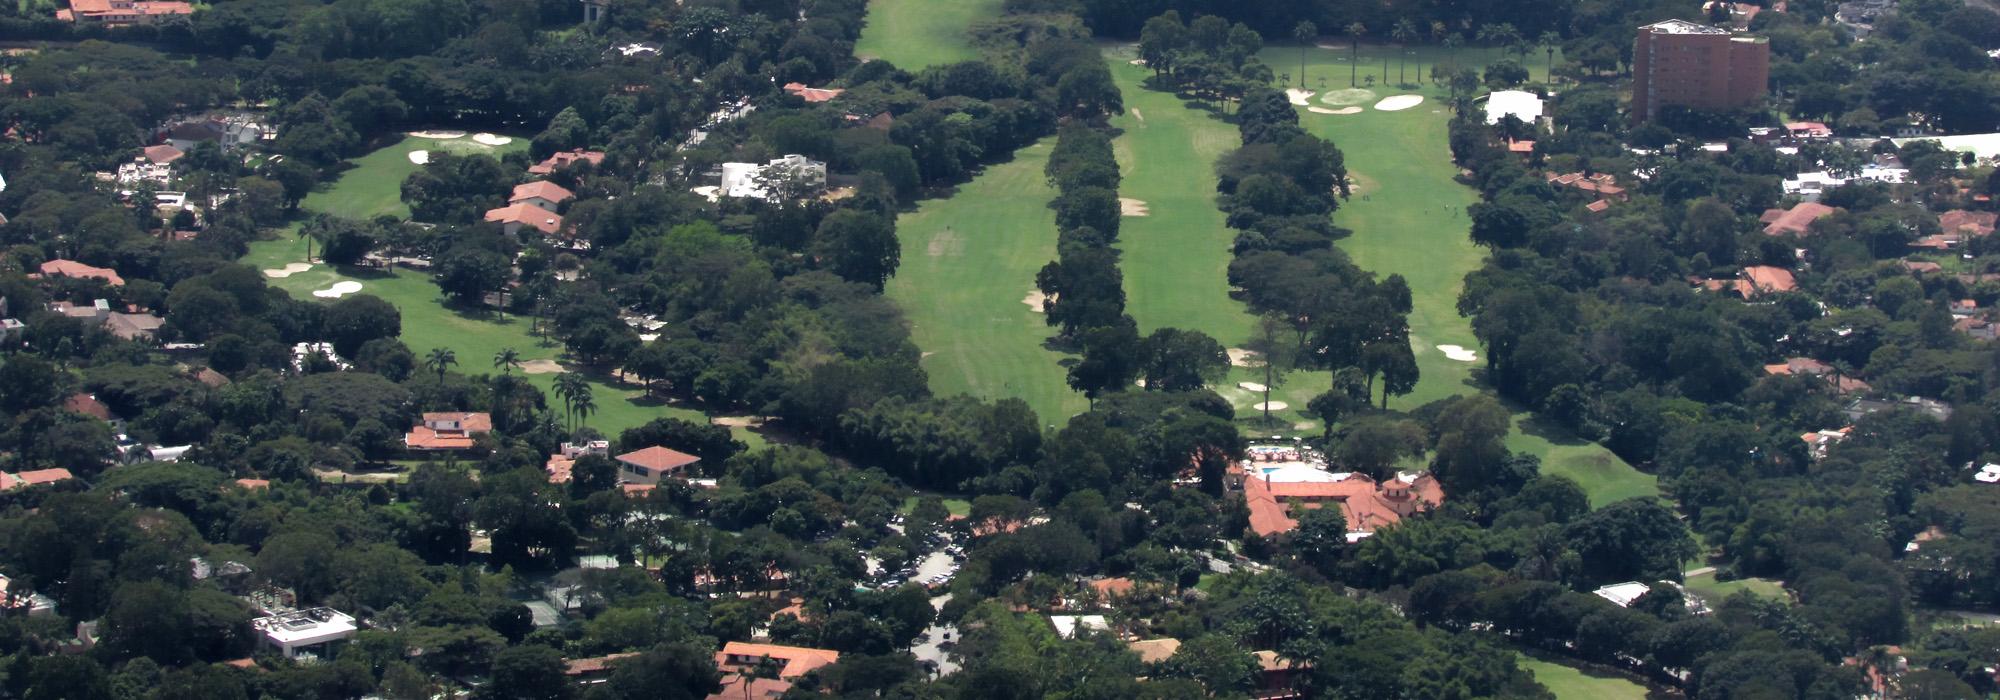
(1547,429)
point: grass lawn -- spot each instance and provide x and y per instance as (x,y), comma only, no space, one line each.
(968,262)
(954,506)
(1572,683)
(474,336)
(374,186)
(1716,591)
(916,33)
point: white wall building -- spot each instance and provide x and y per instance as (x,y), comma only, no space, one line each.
(786,178)
(310,631)
(1523,105)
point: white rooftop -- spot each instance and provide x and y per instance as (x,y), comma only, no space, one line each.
(1681,26)
(1981,145)
(306,627)
(1988,474)
(1622,594)
(1068,625)
(1523,105)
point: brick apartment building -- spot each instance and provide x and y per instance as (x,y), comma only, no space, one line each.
(1678,63)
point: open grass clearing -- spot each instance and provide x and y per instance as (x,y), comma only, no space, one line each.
(955,506)
(1715,591)
(913,34)
(374,185)
(1573,683)
(968,263)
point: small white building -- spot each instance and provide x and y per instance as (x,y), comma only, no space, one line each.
(1519,104)
(1989,474)
(1067,626)
(790,177)
(1623,594)
(310,631)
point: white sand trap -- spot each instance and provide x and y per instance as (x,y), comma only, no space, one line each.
(1398,103)
(740,421)
(1035,300)
(338,290)
(1298,96)
(492,139)
(1137,115)
(1244,358)
(288,270)
(542,367)
(1137,61)
(1343,110)
(1458,353)
(1350,96)
(1128,206)
(1251,386)
(1272,406)
(420,157)
(438,134)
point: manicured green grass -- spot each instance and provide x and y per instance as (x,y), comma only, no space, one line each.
(1571,683)
(916,33)
(1176,258)
(374,185)
(954,506)
(968,263)
(1716,591)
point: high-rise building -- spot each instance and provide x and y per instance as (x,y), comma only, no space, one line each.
(1678,63)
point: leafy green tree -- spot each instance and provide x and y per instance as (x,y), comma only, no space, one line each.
(440,359)
(1182,360)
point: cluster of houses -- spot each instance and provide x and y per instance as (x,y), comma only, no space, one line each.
(781,180)
(122,12)
(127,322)
(534,204)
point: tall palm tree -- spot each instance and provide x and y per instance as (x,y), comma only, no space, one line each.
(1403,32)
(1549,42)
(505,360)
(440,359)
(1354,32)
(568,387)
(1304,32)
(584,405)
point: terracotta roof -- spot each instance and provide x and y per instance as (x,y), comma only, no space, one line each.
(468,421)
(732,688)
(797,661)
(163,154)
(566,159)
(423,437)
(596,664)
(87,405)
(1972,223)
(658,459)
(1598,206)
(1765,278)
(72,268)
(254,484)
(116,9)
(243,663)
(1366,504)
(1799,365)
(1796,220)
(526,214)
(541,189)
(558,468)
(211,378)
(1108,588)
(636,489)
(1921,266)
(1522,146)
(44,476)
(811,94)
(1154,650)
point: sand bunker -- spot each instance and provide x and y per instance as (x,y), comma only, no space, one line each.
(438,134)
(542,367)
(1298,96)
(420,157)
(1458,353)
(1397,103)
(1343,110)
(1128,206)
(1137,61)
(1244,358)
(1272,406)
(739,421)
(1251,386)
(338,290)
(1035,300)
(492,139)
(288,270)
(1350,96)
(1137,115)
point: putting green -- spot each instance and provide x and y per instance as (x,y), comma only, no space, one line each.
(969,264)
(1572,683)
(913,34)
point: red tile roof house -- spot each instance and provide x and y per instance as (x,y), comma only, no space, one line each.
(163,154)
(1814,368)
(565,159)
(647,466)
(515,216)
(72,268)
(1765,279)
(448,431)
(593,670)
(811,94)
(38,477)
(1968,223)
(1367,505)
(541,193)
(738,660)
(121,11)
(1795,221)
(1921,267)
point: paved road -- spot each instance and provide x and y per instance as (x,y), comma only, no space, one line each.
(927,650)
(1703,571)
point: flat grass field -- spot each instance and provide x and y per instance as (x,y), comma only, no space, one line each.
(1572,683)
(1716,591)
(913,34)
(372,188)
(969,263)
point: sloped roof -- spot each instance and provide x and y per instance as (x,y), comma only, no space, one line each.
(163,154)
(526,214)
(72,268)
(658,459)
(1796,220)
(797,660)
(542,189)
